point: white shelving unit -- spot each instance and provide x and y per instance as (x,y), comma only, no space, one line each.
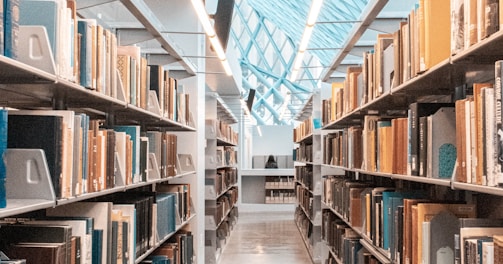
(221,190)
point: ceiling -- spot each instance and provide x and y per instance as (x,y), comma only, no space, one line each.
(267,34)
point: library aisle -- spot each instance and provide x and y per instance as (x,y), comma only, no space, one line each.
(265,238)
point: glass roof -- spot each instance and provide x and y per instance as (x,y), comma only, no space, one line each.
(267,35)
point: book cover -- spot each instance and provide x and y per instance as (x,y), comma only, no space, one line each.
(479,138)
(437,26)
(488,135)
(39,253)
(498,141)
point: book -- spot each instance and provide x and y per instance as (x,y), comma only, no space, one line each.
(12,234)
(3,148)
(39,253)
(134,133)
(498,141)
(418,110)
(437,28)
(479,138)
(101,213)
(11,22)
(457,26)
(442,230)
(2,27)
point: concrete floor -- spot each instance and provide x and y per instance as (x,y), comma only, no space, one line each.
(265,238)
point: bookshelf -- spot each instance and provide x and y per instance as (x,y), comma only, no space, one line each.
(448,81)
(274,187)
(26,87)
(308,187)
(221,180)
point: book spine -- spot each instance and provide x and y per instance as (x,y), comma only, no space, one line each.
(498,141)
(2,28)
(11,28)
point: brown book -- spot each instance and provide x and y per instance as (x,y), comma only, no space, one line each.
(355,207)
(414,237)
(397,46)
(470,21)
(107,83)
(39,253)
(352,77)
(457,26)
(413,43)
(113,66)
(407,227)
(405,51)
(72,5)
(143,95)
(460,138)
(421,41)
(395,127)
(498,249)
(385,147)
(371,76)
(357,147)
(437,31)
(383,42)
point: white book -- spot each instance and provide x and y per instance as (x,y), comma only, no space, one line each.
(473,149)
(426,243)
(489,134)
(120,148)
(487,252)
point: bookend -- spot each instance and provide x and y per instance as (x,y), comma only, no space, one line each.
(28,175)
(120,174)
(153,103)
(120,88)
(152,168)
(35,49)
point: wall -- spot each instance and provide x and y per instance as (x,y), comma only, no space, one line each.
(275,140)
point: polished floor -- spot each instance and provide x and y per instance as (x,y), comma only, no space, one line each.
(265,238)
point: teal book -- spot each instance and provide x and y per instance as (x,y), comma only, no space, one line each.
(1,26)
(85,29)
(41,13)
(11,27)
(97,252)
(134,133)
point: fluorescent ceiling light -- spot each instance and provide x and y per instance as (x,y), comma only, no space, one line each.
(227,67)
(298,60)
(203,17)
(293,75)
(308,31)
(217,47)
(314,11)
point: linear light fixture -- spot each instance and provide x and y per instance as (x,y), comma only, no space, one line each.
(210,32)
(314,11)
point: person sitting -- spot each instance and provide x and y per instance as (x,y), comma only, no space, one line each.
(271,163)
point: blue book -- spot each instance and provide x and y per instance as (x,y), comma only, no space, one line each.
(388,212)
(85,139)
(11,27)
(165,214)
(97,240)
(41,13)
(3,140)
(85,28)
(134,133)
(1,26)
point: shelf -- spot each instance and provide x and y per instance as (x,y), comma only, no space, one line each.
(375,252)
(211,226)
(220,194)
(305,187)
(223,111)
(477,188)
(226,167)
(308,139)
(309,247)
(280,187)
(178,228)
(268,172)
(486,51)
(224,142)
(21,206)
(339,261)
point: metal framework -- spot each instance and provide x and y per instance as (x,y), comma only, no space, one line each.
(267,34)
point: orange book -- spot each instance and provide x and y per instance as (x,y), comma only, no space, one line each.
(460,137)
(437,31)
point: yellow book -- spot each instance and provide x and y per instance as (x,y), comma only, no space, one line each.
(437,25)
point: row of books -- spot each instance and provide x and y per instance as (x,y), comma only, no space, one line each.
(304,175)
(280,196)
(305,226)
(177,250)
(225,178)
(226,156)
(304,152)
(222,130)
(220,210)
(341,239)
(302,130)
(82,155)
(305,200)
(277,182)
(223,231)
(116,229)
(410,226)
(423,144)
(88,54)
(434,30)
